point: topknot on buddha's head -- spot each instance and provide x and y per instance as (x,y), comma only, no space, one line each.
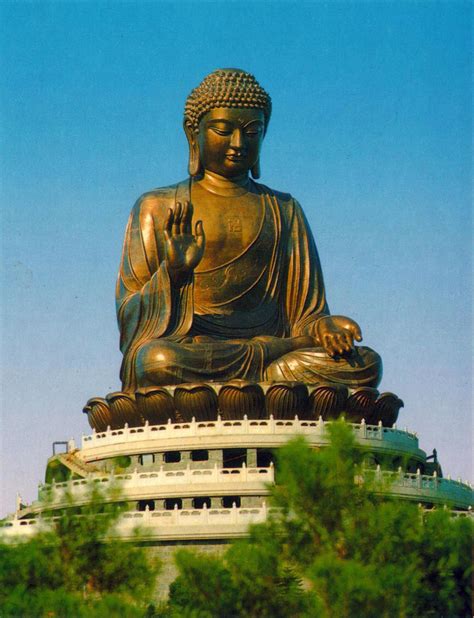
(226,88)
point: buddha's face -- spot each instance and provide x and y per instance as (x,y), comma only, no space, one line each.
(230,139)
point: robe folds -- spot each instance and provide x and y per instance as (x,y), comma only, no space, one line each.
(237,317)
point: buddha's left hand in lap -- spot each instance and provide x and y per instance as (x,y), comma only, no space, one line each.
(336,334)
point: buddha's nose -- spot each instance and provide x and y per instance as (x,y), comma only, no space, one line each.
(237,139)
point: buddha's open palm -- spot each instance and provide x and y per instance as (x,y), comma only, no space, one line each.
(336,334)
(184,250)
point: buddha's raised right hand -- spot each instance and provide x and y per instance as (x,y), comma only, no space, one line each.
(184,250)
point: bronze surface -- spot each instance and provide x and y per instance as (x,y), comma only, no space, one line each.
(239,294)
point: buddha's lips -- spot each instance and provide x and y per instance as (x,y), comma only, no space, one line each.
(233,156)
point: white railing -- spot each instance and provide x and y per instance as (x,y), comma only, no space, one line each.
(424,487)
(176,523)
(164,483)
(195,517)
(154,482)
(173,524)
(314,428)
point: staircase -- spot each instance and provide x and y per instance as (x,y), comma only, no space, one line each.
(76,465)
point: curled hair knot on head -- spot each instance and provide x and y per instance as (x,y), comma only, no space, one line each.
(226,88)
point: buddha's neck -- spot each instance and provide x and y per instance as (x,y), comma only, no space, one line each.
(214,183)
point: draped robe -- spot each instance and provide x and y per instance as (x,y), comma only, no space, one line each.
(235,319)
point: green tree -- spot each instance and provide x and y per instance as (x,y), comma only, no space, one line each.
(77,568)
(333,548)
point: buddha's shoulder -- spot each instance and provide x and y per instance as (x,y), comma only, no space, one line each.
(161,198)
(281,196)
(288,205)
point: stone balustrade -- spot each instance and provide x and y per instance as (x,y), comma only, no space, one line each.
(422,487)
(235,433)
(158,484)
(185,524)
(241,481)
(160,525)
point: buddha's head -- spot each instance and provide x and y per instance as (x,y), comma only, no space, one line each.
(225,121)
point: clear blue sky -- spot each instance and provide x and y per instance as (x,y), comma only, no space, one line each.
(371,131)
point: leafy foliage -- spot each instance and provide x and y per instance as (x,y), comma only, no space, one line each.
(334,548)
(76,569)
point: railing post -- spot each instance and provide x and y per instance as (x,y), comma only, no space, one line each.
(320,424)
(271,423)
(378,473)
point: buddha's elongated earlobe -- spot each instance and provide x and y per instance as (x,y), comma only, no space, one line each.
(255,169)
(194,165)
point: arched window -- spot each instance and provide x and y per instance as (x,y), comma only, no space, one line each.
(170,503)
(199,503)
(229,501)
(142,504)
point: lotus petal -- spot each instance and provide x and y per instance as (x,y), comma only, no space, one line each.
(387,408)
(99,414)
(124,409)
(155,405)
(328,401)
(196,400)
(287,399)
(361,404)
(239,397)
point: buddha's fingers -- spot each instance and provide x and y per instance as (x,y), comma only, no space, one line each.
(200,237)
(354,329)
(339,344)
(358,335)
(328,345)
(187,218)
(349,325)
(177,218)
(346,340)
(169,224)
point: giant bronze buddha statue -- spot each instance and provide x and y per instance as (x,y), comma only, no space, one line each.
(220,279)
(240,294)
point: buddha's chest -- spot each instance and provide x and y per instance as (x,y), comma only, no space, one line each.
(232,226)
(241,242)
